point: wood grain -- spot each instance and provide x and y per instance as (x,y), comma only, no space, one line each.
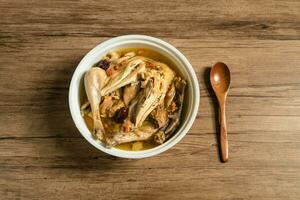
(43,156)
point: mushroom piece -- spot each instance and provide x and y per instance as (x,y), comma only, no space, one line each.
(170,95)
(128,75)
(133,107)
(126,57)
(94,80)
(159,115)
(154,93)
(113,56)
(178,99)
(159,137)
(148,100)
(129,92)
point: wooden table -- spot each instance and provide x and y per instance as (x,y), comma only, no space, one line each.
(42,154)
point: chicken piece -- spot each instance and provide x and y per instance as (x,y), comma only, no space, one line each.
(167,73)
(116,94)
(129,92)
(94,80)
(111,127)
(145,132)
(159,115)
(116,106)
(167,76)
(106,104)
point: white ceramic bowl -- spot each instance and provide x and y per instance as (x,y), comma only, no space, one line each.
(191,101)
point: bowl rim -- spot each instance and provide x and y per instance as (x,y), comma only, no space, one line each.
(108,44)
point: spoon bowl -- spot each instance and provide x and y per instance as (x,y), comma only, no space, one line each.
(220,81)
(220,78)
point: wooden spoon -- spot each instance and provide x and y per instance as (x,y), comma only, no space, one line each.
(220,81)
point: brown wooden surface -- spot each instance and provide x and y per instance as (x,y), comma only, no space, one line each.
(43,156)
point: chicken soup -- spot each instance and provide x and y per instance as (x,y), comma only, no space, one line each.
(134,99)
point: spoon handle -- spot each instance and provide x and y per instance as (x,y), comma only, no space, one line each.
(223,133)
